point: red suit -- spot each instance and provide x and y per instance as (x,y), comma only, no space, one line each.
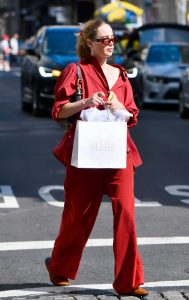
(84,188)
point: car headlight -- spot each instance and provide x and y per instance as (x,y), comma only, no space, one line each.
(47,72)
(132,73)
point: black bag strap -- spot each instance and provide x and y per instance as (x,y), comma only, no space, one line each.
(79,76)
(78,93)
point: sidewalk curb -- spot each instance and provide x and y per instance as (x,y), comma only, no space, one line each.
(97,295)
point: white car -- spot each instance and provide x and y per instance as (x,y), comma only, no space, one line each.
(161,66)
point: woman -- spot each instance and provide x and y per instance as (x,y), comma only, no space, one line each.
(84,188)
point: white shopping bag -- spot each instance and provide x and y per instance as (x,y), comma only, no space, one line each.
(100,145)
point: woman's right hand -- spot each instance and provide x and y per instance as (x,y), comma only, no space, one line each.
(95,100)
(69,109)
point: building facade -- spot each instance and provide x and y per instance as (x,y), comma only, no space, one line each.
(9,16)
(26,16)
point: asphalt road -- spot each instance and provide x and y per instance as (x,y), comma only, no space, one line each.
(30,177)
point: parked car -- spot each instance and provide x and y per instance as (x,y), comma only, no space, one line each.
(184,95)
(52,48)
(144,35)
(161,66)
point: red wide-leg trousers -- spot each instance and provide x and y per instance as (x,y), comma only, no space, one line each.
(84,189)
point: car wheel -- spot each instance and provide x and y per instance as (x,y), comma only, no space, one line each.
(140,97)
(140,101)
(183,111)
(36,105)
(24,105)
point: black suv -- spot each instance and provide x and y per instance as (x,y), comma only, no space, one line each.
(52,48)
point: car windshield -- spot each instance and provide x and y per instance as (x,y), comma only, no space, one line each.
(168,54)
(162,35)
(60,42)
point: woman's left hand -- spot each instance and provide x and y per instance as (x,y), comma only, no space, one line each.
(113,103)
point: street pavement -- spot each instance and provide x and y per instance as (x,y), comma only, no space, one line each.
(31,195)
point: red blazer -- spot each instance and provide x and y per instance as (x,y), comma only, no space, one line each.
(93,81)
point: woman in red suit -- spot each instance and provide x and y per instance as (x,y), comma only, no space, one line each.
(84,188)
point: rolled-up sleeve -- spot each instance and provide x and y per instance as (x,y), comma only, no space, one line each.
(65,88)
(130,104)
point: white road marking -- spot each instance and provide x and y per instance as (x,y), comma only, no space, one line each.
(10,200)
(185,201)
(8,197)
(56,290)
(163,240)
(26,245)
(34,245)
(179,190)
(139,203)
(45,194)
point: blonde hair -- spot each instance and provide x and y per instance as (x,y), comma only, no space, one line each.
(88,31)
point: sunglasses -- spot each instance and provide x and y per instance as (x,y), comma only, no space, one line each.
(107,41)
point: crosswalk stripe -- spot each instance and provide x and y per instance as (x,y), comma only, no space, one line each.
(34,245)
(56,290)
